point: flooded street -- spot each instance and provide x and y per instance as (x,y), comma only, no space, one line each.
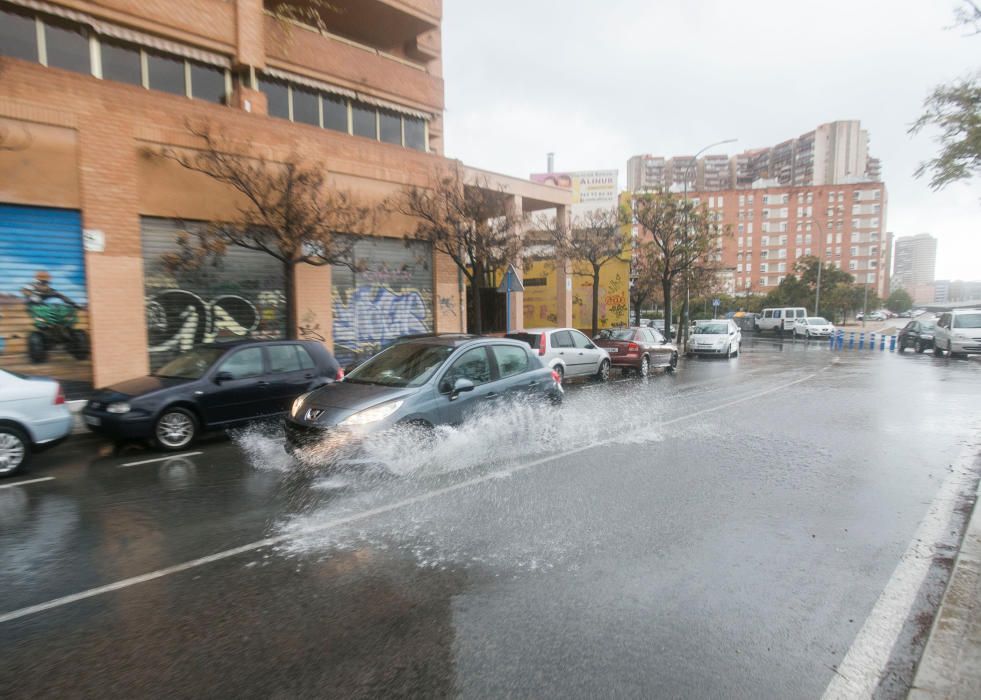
(724,531)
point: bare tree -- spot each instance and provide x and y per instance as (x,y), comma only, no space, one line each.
(286,209)
(595,238)
(470,222)
(675,238)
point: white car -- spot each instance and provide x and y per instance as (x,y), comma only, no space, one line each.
(33,414)
(567,351)
(813,327)
(719,337)
(958,332)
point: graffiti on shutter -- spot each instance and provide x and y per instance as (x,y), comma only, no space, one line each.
(388,295)
(239,294)
(43,298)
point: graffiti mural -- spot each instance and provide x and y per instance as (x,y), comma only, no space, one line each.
(238,295)
(43,298)
(388,295)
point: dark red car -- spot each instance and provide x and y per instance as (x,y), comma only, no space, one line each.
(638,349)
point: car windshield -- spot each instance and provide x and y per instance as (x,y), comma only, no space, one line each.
(817,321)
(402,365)
(967,321)
(191,365)
(927,326)
(712,329)
(615,334)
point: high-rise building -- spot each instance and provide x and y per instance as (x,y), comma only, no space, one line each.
(773,227)
(833,153)
(915,260)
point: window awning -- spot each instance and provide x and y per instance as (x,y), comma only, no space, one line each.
(116,32)
(393,106)
(308,82)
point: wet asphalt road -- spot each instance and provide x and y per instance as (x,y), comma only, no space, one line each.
(720,532)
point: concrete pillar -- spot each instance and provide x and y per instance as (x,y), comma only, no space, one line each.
(250,32)
(515,208)
(563,276)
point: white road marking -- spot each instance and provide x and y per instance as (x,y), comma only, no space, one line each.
(380,510)
(159,459)
(29,481)
(861,670)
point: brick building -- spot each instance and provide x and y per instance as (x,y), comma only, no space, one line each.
(773,226)
(89,89)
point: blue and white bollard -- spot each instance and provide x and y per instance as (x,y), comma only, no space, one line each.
(851,340)
(861,341)
(892,343)
(871,341)
(841,339)
(882,342)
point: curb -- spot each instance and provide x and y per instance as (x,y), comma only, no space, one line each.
(951,663)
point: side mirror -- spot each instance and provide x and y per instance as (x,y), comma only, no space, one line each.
(590,346)
(461,385)
(224,377)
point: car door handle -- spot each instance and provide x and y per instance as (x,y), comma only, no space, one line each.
(491,395)
(262,384)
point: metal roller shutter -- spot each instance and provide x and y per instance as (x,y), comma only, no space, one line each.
(43,298)
(389,296)
(239,295)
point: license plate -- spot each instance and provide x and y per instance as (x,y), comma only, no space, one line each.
(93,420)
(613,351)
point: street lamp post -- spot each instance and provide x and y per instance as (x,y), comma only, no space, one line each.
(684,315)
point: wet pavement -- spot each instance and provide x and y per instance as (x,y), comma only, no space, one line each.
(721,532)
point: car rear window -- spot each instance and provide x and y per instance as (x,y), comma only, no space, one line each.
(533,339)
(562,339)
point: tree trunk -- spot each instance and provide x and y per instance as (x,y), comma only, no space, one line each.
(478,275)
(638,303)
(596,275)
(666,290)
(292,318)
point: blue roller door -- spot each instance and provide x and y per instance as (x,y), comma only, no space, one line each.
(43,298)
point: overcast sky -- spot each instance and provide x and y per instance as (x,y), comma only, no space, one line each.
(597,82)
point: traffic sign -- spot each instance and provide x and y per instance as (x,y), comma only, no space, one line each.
(716,302)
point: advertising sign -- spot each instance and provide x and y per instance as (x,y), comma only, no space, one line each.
(591,189)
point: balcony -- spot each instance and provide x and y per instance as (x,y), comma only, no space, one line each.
(339,61)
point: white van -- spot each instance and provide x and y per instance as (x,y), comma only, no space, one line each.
(780,320)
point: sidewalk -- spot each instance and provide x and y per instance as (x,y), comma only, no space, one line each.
(951,663)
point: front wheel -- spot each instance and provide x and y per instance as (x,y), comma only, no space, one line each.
(603,373)
(175,429)
(78,344)
(937,351)
(15,450)
(674,362)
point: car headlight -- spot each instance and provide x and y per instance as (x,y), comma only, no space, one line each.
(373,415)
(118,407)
(298,403)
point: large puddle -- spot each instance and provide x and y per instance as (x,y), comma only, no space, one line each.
(447,497)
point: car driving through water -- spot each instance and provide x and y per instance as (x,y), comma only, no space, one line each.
(420,383)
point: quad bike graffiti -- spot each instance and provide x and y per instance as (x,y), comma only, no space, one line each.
(54,317)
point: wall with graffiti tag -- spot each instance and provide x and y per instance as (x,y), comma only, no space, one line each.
(388,294)
(238,295)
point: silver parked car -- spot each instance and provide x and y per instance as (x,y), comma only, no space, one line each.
(567,351)
(33,415)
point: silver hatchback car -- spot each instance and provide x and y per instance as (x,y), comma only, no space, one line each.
(567,351)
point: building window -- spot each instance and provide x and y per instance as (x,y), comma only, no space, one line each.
(277,97)
(121,62)
(415,133)
(67,46)
(390,127)
(165,73)
(306,107)
(207,83)
(335,113)
(853,265)
(18,35)
(364,121)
